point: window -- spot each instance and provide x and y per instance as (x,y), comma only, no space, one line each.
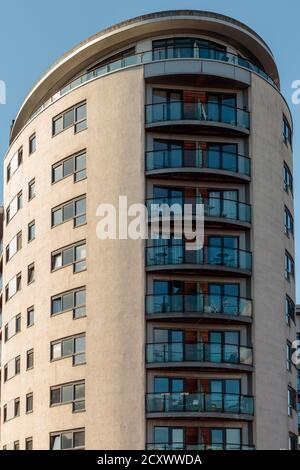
(66,440)
(29,403)
(293,441)
(30,359)
(31,189)
(14,246)
(29,443)
(288,222)
(287,179)
(75,116)
(13,287)
(32,144)
(73,393)
(14,206)
(289,266)
(292,401)
(30,273)
(74,301)
(73,254)
(75,209)
(11,410)
(289,310)
(12,327)
(17,445)
(12,368)
(74,165)
(31,231)
(14,163)
(288,356)
(73,346)
(287,132)
(30,316)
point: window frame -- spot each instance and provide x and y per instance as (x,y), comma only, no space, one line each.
(32,144)
(73,401)
(74,215)
(18,237)
(31,185)
(74,261)
(288,222)
(74,307)
(29,398)
(74,171)
(19,156)
(30,274)
(74,123)
(30,354)
(289,267)
(61,433)
(29,227)
(28,311)
(19,198)
(72,355)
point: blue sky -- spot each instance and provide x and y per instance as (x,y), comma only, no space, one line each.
(33,34)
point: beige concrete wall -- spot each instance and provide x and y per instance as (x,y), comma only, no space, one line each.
(270,332)
(114,325)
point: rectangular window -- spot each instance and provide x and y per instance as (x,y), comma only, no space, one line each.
(30,359)
(75,209)
(289,266)
(67,440)
(12,327)
(71,255)
(31,231)
(73,346)
(14,246)
(29,403)
(288,222)
(287,132)
(292,401)
(31,189)
(74,301)
(74,165)
(14,163)
(73,393)
(29,443)
(287,179)
(289,310)
(13,287)
(76,116)
(293,441)
(30,317)
(12,368)
(14,206)
(17,445)
(30,274)
(289,356)
(11,410)
(32,144)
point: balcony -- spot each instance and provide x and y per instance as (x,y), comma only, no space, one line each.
(196,306)
(198,355)
(226,210)
(183,446)
(174,116)
(197,404)
(185,163)
(210,258)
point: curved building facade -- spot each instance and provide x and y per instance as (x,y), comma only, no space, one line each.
(127,344)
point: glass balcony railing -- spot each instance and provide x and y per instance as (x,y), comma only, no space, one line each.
(218,353)
(213,160)
(199,403)
(210,112)
(163,255)
(183,446)
(194,53)
(213,207)
(198,304)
